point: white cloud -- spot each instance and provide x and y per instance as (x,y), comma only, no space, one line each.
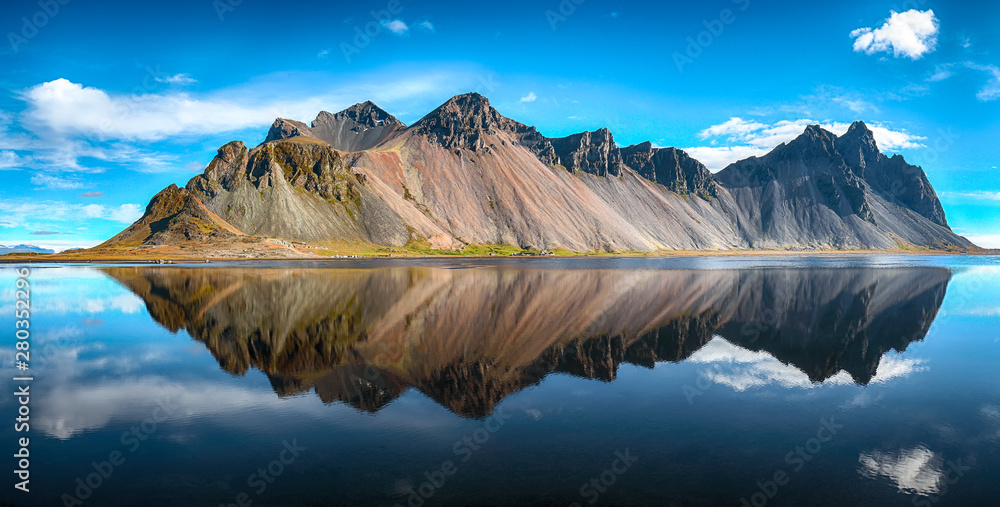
(916,470)
(742,369)
(530,97)
(426,26)
(911,34)
(941,73)
(32,214)
(54,182)
(750,138)
(126,213)
(177,79)
(992,89)
(976,195)
(985,240)
(734,127)
(323,54)
(396,26)
(11,160)
(70,108)
(717,158)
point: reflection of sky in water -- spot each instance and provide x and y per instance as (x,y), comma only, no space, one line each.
(742,369)
(103,365)
(915,470)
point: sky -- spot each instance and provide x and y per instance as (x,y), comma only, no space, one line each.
(103,104)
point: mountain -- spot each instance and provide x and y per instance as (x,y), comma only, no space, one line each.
(820,190)
(357,128)
(365,336)
(4,250)
(464,174)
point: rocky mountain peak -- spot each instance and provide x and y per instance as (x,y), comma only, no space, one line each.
(283,128)
(815,141)
(671,168)
(462,121)
(858,146)
(364,114)
(591,152)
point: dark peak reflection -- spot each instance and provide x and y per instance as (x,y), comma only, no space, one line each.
(469,337)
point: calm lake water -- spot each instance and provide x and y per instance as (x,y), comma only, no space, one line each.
(702,381)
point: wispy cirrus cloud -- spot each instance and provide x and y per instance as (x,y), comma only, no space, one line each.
(29,214)
(52,181)
(176,79)
(988,92)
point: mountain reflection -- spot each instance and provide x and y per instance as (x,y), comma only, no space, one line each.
(469,337)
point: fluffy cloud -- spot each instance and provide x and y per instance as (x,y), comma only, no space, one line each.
(911,34)
(396,26)
(70,108)
(530,97)
(426,26)
(750,138)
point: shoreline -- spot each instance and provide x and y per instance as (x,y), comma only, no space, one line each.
(199,259)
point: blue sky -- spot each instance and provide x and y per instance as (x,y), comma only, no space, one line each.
(105,103)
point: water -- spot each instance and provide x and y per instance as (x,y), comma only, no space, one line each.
(703,381)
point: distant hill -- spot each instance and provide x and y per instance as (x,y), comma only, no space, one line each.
(4,250)
(465,174)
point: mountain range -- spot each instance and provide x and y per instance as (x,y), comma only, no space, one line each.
(4,250)
(466,175)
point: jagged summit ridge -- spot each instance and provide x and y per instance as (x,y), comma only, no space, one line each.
(360,127)
(465,174)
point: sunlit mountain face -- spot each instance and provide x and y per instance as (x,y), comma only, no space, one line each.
(710,375)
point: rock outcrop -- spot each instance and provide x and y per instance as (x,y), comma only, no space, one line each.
(175,215)
(590,152)
(671,168)
(357,128)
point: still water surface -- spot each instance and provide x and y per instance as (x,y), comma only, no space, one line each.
(702,381)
